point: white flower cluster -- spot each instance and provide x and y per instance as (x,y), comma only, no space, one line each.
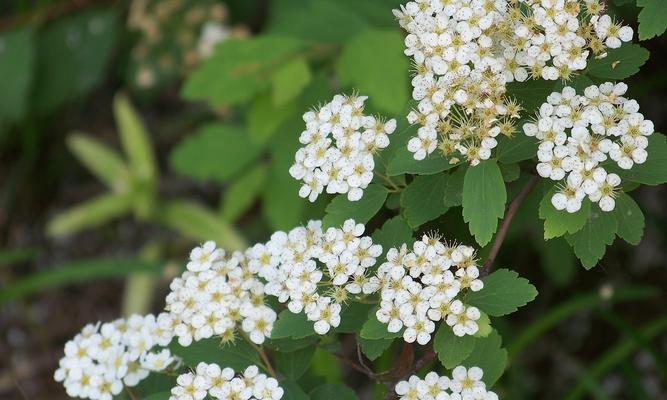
(315,270)
(418,289)
(340,142)
(465,384)
(578,133)
(459,82)
(553,38)
(103,358)
(225,384)
(217,294)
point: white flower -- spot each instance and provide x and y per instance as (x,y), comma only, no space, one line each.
(464,384)
(202,258)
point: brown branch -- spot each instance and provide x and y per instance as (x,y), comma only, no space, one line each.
(505,224)
(363,369)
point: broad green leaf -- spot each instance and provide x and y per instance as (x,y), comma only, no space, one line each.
(422,200)
(619,63)
(503,293)
(101,161)
(394,233)
(335,391)
(287,345)
(484,198)
(74,272)
(290,325)
(373,348)
(452,349)
(341,209)
(242,192)
(489,356)
(373,62)
(652,18)
(236,355)
(530,94)
(590,242)
(510,172)
(239,69)
(484,326)
(215,151)
(630,219)
(264,117)
(135,139)
(199,223)
(454,187)
(517,148)
(158,396)
(17,54)
(290,80)
(652,171)
(557,260)
(90,214)
(558,223)
(293,391)
(374,329)
(72,56)
(352,317)
(294,364)
(404,163)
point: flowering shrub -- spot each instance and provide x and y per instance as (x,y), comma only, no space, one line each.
(245,323)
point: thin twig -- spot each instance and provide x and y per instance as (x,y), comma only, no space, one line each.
(505,224)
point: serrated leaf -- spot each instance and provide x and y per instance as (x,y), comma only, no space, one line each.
(517,148)
(422,200)
(101,161)
(530,94)
(394,233)
(216,151)
(630,219)
(239,69)
(403,162)
(452,349)
(264,117)
(503,293)
(17,54)
(290,325)
(558,223)
(454,187)
(652,171)
(287,345)
(374,348)
(488,355)
(373,62)
(484,197)
(290,80)
(652,19)
(293,391)
(374,329)
(619,63)
(237,355)
(341,209)
(90,214)
(242,192)
(333,391)
(352,317)
(590,242)
(294,364)
(510,172)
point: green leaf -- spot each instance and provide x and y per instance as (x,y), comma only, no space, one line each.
(242,192)
(652,19)
(373,62)
(530,94)
(373,348)
(290,80)
(484,325)
(394,233)
(630,219)
(590,242)
(239,69)
(510,172)
(517,148)
(17,54)
(74,272)
(294,364)
(454,187)
(236,355)
(72,56)
(264,117)
(89,214)
(422,200)
(199,223)
(341,209)
(215,151)
(484,198)
(452,349)
(557,260)
(290,325)
(287,345)
(489,356)
(374,329)
(558,223)
(652,171)
(619,63)
(135,140)
(335,391)
(503,293)
(404,163)
(101,161)
(293,391)
(158,396)
(352,317)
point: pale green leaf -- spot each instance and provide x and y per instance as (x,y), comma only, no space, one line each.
(484,198)
(90,214)
(558,223)
(452,349)
(422,200)
(341,209)
(290,80)
(503,293)
(135,140)
(630,219)
(590,242)
(242,192)
(101,161)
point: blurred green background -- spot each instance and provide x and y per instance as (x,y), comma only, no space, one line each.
(131,130)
